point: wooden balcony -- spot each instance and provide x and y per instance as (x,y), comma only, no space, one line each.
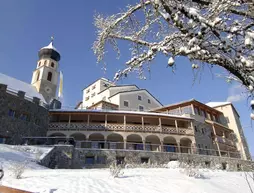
(119,127)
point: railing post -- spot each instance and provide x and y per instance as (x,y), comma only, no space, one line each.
(106,121)
(143,126)
(176,126)
(88,120)
(69,122)
(124,122)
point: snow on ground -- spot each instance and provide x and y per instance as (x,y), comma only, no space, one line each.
(138,180)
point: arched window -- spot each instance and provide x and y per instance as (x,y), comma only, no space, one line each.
(52,64)
(49,78)
(38,76)
(45,62)
(39,64)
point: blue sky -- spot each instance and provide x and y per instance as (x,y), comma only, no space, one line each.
(27,25)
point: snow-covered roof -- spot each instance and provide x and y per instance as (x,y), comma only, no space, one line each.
(217,104)
(50,46)
(118,111)
(15,85)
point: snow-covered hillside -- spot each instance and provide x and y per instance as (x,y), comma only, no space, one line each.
(156,180)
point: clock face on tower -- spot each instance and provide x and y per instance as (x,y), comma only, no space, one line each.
(48,90)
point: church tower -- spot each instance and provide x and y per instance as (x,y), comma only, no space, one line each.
(45,76)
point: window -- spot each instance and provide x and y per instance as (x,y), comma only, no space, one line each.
(89,160)
(88,90)
(87,98)
(227,119)
(207,164)
(196,129)
(49,78)
(126,103)
(94,86)
(24,116)
(38,76)
(209,116)
(52,64)
(93,94)
(196,110)
(224,166)
(202,112)
(11,113)
(37,122)
(141,108)
(39,64)
(203,130)
(139,98)
(119,160)
(101,160)
(144,160)
(45,62)
(149,101)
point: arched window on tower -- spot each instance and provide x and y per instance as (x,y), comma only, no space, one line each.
(39,64)
(49,78)
(38,76)
(45,62)
(52,64)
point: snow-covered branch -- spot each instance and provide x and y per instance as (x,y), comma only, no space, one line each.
(216,32)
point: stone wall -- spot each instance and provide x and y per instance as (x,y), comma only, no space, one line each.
(163,158)
(15,127)
(58,158)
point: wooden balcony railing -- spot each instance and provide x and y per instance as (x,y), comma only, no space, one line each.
(119,127)
(225,141)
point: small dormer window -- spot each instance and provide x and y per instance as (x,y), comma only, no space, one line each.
(52,64)
(39,64)
(139,98)
(45,62)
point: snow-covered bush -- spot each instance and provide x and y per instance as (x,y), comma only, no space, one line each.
(18,169)
(115,170)
(191,170)
(173,164)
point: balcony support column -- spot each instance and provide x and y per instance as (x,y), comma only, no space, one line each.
(160,125)
(216,140)
(178,147)
(144,144)
(161,146)
(125,143)
(105,143)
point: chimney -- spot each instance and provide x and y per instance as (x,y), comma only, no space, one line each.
(3,87)
(36,100)
(21,94)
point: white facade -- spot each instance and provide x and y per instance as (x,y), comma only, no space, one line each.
(127,97)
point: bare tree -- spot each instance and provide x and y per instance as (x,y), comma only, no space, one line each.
(214,32)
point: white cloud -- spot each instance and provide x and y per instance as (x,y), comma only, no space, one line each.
(236,93)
